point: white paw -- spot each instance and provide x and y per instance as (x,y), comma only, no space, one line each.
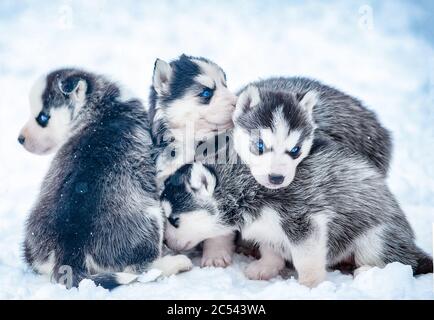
(181,263)
(219,259)
(169,265)
(260,270)
(311,279)
(361,269)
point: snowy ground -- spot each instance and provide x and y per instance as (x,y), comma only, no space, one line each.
(379,51)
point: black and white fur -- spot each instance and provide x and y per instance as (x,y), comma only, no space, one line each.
(336,117)
(336,207)
(98,211)
(181,118)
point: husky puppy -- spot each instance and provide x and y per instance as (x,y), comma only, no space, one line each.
(336,208)
(336,117)
(190,102)
(98,215)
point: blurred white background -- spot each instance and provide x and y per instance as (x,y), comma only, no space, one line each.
(379,51)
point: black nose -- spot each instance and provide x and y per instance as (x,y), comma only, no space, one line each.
(276,179)
(21,139)
(174,221)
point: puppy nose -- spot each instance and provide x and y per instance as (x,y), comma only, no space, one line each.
(276,179)
(174,221)
(21,139)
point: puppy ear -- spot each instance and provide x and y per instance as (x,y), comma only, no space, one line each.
(249,98)
(202,180)
(308,101)
(161,77)
(75,87)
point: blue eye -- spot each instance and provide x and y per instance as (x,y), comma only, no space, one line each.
(260,145)
(295,152)
(42,119)
(206,93)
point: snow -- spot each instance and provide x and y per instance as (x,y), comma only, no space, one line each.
(379,51)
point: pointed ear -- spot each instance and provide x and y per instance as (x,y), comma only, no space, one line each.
(75,87)
(202,180)
(308,101)
(249,98)
(161,77)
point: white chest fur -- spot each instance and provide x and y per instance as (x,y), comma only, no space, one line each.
(267,230)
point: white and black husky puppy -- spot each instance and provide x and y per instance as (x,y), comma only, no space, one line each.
(98,215)
(189,103)
(336,207)
(284,140)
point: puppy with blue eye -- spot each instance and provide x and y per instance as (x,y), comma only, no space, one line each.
(98,215)
(337,205)
(283,141)
(191,104)
(274,149)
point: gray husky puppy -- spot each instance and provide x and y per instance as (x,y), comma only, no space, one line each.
(336,117)
(336,207)
(98,215)
(190,103)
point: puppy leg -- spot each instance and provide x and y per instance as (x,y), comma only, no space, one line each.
(310,263)
(368,250)
(217,252)
(310,256)
(267,267)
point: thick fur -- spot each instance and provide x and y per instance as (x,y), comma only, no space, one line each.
(362,218)
(339,117)
(268,128)
(180,117)
(337,207)
(98,211)
(181,120)
(175,109)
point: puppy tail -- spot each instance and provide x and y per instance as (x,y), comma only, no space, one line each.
(424,264)
(70,275)
(113,280)
(107,280)
(167,265)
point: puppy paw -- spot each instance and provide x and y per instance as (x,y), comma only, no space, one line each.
(260,270)
(217,252)
(169,265)
(311,279)
(219,259)
(181,263)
